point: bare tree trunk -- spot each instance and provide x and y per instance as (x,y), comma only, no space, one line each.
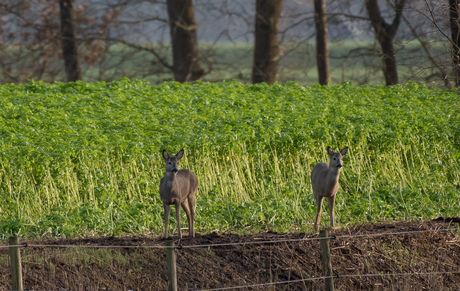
(385,34)
(186,62)
(69,47)
(322,54)
(266,49)
(390,68)
(454,28)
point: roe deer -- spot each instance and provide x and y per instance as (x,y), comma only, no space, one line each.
(178,187)
(325,182)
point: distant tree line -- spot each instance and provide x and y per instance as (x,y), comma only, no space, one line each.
(43,39)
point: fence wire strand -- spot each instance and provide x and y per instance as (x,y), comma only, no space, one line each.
(327,277)
(179,246)
(174,247)
(322,278)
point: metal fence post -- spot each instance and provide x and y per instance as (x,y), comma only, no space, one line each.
(171,265)
(326,260)
(15,258)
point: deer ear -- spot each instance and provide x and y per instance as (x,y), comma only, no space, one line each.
(165,155)
(330,151)
(180,154)
(344,151)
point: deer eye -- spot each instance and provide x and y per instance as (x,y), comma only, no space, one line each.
(334,159)
(169,163)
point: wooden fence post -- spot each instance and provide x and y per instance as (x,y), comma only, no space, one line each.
(326,259)
(15,261)
(171,265)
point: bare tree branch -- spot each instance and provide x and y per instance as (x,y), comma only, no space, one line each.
(427,51)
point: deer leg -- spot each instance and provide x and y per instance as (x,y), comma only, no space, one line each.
(319,203)
(177,205)
(167,211)
(330,204)
(191,204)
(186,208)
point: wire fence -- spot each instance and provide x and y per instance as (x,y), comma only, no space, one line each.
(249,243)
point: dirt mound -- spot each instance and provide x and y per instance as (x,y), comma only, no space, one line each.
(387,248)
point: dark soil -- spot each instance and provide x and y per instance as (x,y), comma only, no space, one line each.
(355,252)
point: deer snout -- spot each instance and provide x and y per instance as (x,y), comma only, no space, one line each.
(339,166)
(174,171)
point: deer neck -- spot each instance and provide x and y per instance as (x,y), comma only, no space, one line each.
(333,173)
(170,178)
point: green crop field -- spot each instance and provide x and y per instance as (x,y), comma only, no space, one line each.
(85,158)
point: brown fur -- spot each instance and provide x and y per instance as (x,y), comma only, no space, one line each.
(325,182)
(178,187)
